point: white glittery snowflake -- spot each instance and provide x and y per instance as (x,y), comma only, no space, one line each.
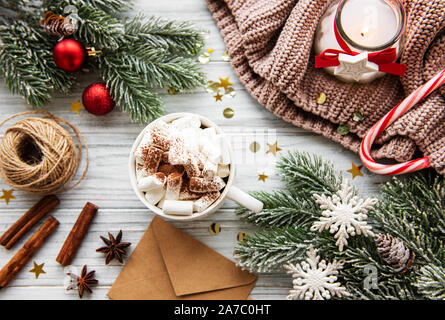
(344,214)
(314,279)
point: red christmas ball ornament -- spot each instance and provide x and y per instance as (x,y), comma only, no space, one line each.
(69,55)
(97,100)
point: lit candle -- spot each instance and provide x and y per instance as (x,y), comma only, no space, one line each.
(365,26)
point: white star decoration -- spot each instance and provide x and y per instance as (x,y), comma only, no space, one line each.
(354,66)
(314,279)
(344,214)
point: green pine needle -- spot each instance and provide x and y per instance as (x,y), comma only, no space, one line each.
(129,90)
(307,174)
(266,251)
(281,209)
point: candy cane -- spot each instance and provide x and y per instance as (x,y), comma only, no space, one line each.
(388,119)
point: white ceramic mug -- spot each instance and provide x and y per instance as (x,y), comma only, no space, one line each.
(230,191)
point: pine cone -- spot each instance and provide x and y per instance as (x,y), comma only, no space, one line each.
(394,252)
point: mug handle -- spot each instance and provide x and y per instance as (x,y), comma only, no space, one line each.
(244,199)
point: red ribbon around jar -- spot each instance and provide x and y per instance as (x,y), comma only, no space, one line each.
(384,59)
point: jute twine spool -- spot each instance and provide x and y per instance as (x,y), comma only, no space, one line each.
(38,155)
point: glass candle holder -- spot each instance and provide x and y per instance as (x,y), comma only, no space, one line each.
(365,26)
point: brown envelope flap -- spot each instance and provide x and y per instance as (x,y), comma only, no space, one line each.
(194,267)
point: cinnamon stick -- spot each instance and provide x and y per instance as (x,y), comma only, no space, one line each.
(74,239)
(28,220)
(27,251)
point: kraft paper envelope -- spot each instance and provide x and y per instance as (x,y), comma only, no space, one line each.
(169,264)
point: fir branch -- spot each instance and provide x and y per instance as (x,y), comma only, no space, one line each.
(412,209)
(129,88)
(268,250)
(431,281)
(109,6)
(163,71)
(361,256)
(280,209)
(178,38)
(27,64)
(98,28)
(308,174)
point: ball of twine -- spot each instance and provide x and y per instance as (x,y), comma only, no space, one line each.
(40,156)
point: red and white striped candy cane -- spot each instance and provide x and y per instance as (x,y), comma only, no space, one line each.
(388,119)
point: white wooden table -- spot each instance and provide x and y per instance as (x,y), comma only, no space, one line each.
(107,184)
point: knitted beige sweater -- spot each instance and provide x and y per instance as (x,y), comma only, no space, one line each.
(269,43)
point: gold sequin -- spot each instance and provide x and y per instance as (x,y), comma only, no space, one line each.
(241,236)
(215,228)
(228,113)
(204,58)
(172,91)
(212,86)
(358,116)
(321,98)
(255,147)
(343,129)
(225,56)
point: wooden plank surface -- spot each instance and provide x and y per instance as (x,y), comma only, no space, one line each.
(107,184)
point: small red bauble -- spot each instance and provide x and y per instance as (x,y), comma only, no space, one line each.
(69,55)
(97,100)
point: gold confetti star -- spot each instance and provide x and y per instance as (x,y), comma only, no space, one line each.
(273,148)
(38,269)
(7,195)
(262,177)
(356,170)
(224,83)
(218,97)
(76,106)
(210,50)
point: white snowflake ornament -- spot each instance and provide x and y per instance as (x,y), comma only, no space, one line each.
(314,279)
(344,214)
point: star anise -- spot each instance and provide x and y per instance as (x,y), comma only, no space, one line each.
(114,247)
(83,282)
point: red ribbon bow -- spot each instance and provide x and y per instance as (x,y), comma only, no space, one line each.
(384,59)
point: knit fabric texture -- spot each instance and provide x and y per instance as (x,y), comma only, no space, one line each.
(270,47)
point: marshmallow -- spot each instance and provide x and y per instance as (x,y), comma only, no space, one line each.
(167,169)
(164,157)
(223,170)
(174,183)
(209,170)
(154,181)
(150,159)
(202,185)
(192,168)
(155,195)
(140,171)
(181,208)
(186,194)
(159,135)
(211,148)
(190,121)
(205,201)
(178,153)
